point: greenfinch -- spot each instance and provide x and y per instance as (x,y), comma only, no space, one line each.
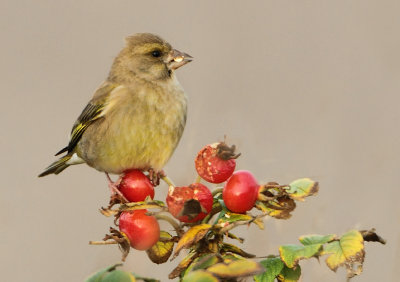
(136,117)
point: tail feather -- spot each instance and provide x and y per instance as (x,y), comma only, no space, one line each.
(57,166)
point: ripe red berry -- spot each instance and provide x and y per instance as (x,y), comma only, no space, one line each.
(240,191)
(143,231)
(215,163)
(136,186)
(190,204)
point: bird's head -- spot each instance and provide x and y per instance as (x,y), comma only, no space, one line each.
(148,56)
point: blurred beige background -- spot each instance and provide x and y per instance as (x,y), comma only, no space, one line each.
(304,88)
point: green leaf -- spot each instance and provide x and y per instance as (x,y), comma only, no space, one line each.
(316,239)
(236,269)
(348,251)
(110,274)
(145,279)
(289,274)
(301,188)
(273,266)
(118,276)
(162,250)
(98,276)
(206,261)
(291,254)
(199,276)
(183,265)
(191,237)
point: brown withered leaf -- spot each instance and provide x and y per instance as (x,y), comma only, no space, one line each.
(371,236)
(121,239)
(107,212)
(281,207)
(116,199)
(270,189)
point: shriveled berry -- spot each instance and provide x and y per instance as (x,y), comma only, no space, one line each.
(190,203)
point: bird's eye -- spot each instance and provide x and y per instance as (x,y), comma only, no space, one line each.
(156,53)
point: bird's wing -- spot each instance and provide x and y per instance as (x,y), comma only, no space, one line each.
(90,113)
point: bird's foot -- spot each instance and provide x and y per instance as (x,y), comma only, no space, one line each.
(155,176)
(116,196)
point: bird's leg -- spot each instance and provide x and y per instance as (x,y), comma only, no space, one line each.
(155,176)
(114,189)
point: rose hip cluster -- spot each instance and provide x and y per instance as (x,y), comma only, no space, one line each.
(215,163)
(142,230)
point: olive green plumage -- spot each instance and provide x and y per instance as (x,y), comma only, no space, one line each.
(136,117)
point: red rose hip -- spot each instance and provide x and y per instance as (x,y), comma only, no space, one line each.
(240,191)
(216,162)
(136,186)
(143,231)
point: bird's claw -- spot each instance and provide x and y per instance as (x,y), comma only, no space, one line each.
(116,195)
(155,176)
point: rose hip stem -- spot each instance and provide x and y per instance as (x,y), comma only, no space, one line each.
(167,180)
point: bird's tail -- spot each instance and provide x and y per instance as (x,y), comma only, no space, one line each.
(57,166)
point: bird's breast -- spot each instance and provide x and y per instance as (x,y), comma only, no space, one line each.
(140,129)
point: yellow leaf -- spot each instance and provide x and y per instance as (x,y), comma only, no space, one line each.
(191,237)
(236,269)
(162,250)
(259,222)
(348,251)
(229,248)
(233,217)
(199,276)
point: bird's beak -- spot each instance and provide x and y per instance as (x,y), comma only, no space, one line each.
(176,59)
